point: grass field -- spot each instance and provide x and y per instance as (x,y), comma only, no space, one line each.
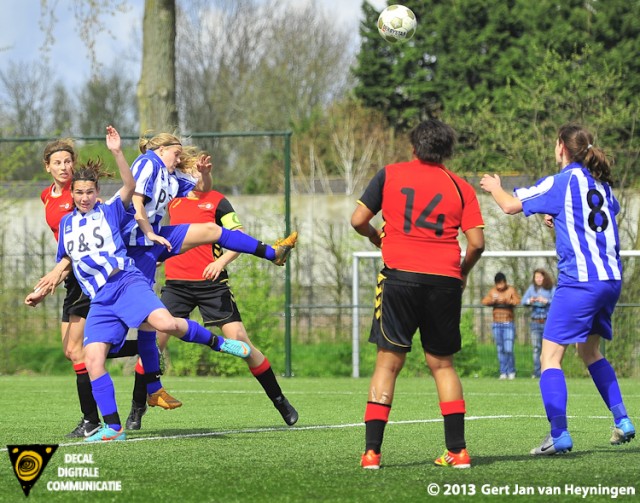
(227,443)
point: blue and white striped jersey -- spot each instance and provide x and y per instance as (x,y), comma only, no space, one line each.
(159,187)
(584,212)
(93,242)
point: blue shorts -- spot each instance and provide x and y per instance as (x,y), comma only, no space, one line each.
(123,302)
(580,309)
(147,257)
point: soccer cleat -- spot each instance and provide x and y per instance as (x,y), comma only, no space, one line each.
(235,348)
(84,429)
(286,410)
(163,399)
(106,434)
(622,432)
(370,460)
(554,445)
(502,377)
(459,460)
(134,421)
(283,248)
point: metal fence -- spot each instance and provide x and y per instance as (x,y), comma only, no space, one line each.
(323,313)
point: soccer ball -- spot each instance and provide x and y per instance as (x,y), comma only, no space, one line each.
(397,23)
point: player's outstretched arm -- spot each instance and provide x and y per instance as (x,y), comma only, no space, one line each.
(204,166)
(48,283)
(142,220)
(508,203)
(114,144)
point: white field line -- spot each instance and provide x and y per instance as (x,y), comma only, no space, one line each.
(294,429)
(177,390)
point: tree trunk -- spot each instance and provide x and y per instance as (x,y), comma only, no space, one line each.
(157,87)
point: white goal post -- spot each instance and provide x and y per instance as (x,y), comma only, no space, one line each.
(355,295)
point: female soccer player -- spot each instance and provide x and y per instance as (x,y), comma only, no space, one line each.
(424,206)
(198,279)
(581,206)
(121,297)
(158,181)
(59,159)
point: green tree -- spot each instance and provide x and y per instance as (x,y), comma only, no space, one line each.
(62,111)
(389,73)
(468,52)
(107,99)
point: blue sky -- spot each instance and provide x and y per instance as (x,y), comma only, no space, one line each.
(21,37)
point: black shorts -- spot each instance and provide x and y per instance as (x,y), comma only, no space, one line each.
(76,302)
(214,300)
(403,307)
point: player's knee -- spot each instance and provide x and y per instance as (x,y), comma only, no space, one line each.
(436,363)
(68,354)
(212,229)
(94,362)
(589,354)
(162,321)
(238,335)
(74,354)
(170,326)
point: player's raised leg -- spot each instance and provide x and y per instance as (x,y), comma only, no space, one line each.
(206,233)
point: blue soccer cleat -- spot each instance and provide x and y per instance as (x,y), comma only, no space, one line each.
(235,348)
(554,445)
(622,432)
(106,434)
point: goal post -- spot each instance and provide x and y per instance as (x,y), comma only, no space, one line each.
(376,255)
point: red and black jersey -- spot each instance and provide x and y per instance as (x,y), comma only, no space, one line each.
(423,207)
(56,206)
(204,207)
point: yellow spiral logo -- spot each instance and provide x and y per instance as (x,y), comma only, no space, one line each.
(28,465)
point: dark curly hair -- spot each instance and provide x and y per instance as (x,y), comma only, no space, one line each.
(91,171)
(433,141)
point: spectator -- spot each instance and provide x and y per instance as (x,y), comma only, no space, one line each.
(503,297)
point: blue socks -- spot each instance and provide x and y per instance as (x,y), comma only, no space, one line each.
(243,243)
(105,396)
(197,334)
(553,388)
(554,394)
(148,352)
(604,377)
